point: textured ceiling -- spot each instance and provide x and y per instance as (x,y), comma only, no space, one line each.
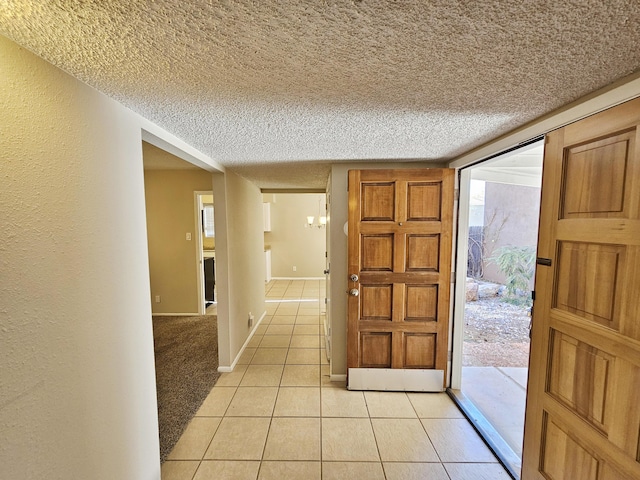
(259,83)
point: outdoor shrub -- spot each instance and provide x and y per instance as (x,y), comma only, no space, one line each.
(518,266)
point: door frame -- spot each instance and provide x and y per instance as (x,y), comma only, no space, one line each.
(198,205)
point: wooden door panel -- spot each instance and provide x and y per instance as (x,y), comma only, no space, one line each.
(587,275)
(582,418)
(376,302)
(423,201)
(421,303)
(400,225)
(419,350)
(378,202)
(375,350)
(377,253)
(580,377)
(595,177)
(422,253)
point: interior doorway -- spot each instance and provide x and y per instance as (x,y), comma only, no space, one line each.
(499,217)
(206,256)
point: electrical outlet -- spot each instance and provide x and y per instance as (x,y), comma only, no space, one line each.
(188,236)
(294,268)
(157,298)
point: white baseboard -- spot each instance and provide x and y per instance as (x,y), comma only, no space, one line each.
(297,278)
(196,314)
(225,369)
(338,377)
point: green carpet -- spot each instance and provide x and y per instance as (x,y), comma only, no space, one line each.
(186,353)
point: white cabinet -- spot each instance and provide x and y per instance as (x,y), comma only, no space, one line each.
(266,216)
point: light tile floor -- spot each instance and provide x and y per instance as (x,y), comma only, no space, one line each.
(278,416)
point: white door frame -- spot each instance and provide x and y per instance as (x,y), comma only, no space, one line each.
(197,195)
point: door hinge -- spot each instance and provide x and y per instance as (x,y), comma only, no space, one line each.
(449,355)
(456,194)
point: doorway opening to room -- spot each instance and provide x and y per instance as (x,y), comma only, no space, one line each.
(499,217)
(206,247)
(295,246)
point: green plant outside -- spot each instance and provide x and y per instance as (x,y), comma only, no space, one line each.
(518,266)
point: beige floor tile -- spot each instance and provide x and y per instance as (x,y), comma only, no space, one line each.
(262,376)
(389,405)
(307,319)
(279,329)
(475,471)
(415,471)
(306,330)
(239,438)
(348,439)
(274,470)
(305,341)
(255,341)
(271,309)
(300,376)
(288,308)
(434,405)
(352,471)
(337,402)
(293,439)
(326,379)
(227,470)
(283,320)
(315,311)
(253,402)
(266,320)
(303,356)
(179,470)
(278,341)
(298,402)
(232,379)
(246,356)
(269,356)
(216,403)
(196,438)
(323,357)
(455,440)
(261,329)
(403,440)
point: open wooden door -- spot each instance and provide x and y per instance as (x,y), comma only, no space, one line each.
(583,401)
(400,234)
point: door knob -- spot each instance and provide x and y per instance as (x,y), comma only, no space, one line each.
(326,272)
(354,277)
(354,292)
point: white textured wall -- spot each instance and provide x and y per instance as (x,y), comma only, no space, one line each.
(77,384)
(291,242)
(239,261)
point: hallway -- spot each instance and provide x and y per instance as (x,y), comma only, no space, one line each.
(277,416)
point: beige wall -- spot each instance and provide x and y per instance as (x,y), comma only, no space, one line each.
(240,263)
(77,395)
(292,244)
(518,207)
(170,206)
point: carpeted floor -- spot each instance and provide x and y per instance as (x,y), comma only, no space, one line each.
(186,351)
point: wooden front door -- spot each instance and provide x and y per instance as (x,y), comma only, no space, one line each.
(400,234)
(583,401)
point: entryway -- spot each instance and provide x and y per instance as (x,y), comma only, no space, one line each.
(499,216)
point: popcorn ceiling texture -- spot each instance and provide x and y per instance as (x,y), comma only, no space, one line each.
(259,83)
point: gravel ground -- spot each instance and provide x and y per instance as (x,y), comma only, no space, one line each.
(496,334)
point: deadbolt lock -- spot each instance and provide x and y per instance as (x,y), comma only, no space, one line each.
(354,277)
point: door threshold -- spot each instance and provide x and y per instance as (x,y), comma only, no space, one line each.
(505,454)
